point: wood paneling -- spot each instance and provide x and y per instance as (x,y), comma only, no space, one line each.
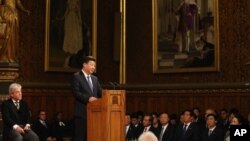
(176,100)
(52,101)
(147,98)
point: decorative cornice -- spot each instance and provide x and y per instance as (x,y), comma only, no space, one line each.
(8,72)
(148,88)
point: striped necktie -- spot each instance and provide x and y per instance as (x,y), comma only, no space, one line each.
(17,105)
(90,83)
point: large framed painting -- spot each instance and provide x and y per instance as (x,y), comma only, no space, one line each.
(70,33)
(185,36)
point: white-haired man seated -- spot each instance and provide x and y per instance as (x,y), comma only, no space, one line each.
(16,117)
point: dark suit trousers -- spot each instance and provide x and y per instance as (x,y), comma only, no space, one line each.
(80,129)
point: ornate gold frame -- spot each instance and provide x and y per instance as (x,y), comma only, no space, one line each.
(93,51)
(123,43)
(167,68)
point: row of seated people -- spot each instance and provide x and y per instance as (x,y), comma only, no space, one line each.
(59,130)
(190,126)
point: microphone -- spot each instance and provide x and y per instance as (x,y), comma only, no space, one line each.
(111,83)
(117,84)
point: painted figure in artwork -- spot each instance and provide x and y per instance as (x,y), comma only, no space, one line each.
(9,39)
(186,12)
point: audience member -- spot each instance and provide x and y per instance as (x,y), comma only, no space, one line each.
(167,130)
(147,124)
(235,120)
(223,120)
(137,125)
(140,116)
(188,131)
(212,132)
(60,127)
(156,123)
(181,118)
(130,133)
(199,119)
(207,112)
(16,117)
(42,128)
(173,119)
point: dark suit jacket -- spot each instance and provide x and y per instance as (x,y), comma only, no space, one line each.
(60,131)
(12,116)
(169,133)
(192,133)
(82,92)
(42,131)
(130,135)
(138,130)
(152,129)
(216,135)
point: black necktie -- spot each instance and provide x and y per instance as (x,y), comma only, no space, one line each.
(184,129)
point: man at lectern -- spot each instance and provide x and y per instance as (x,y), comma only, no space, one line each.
(86,88)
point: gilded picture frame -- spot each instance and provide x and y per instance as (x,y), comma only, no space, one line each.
(185,36)
(70,33)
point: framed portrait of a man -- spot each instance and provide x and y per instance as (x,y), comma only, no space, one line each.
(185,36)
(70,33)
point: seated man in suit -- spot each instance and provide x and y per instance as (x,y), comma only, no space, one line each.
(167,130)
(130,133)
(147,124)
(212,132)
(138,127)
(223,120)
(16,117)
(42,128)
(61,128)
(188,131)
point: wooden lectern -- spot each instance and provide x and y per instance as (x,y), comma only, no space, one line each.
(106,117)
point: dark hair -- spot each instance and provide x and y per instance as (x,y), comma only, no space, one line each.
(86,59)
(234,111)
(134,115)
(154,113)
(239,118)
(173,117)
(190,111)
(213,115)
(39,112)
(224,109)
(140,113)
